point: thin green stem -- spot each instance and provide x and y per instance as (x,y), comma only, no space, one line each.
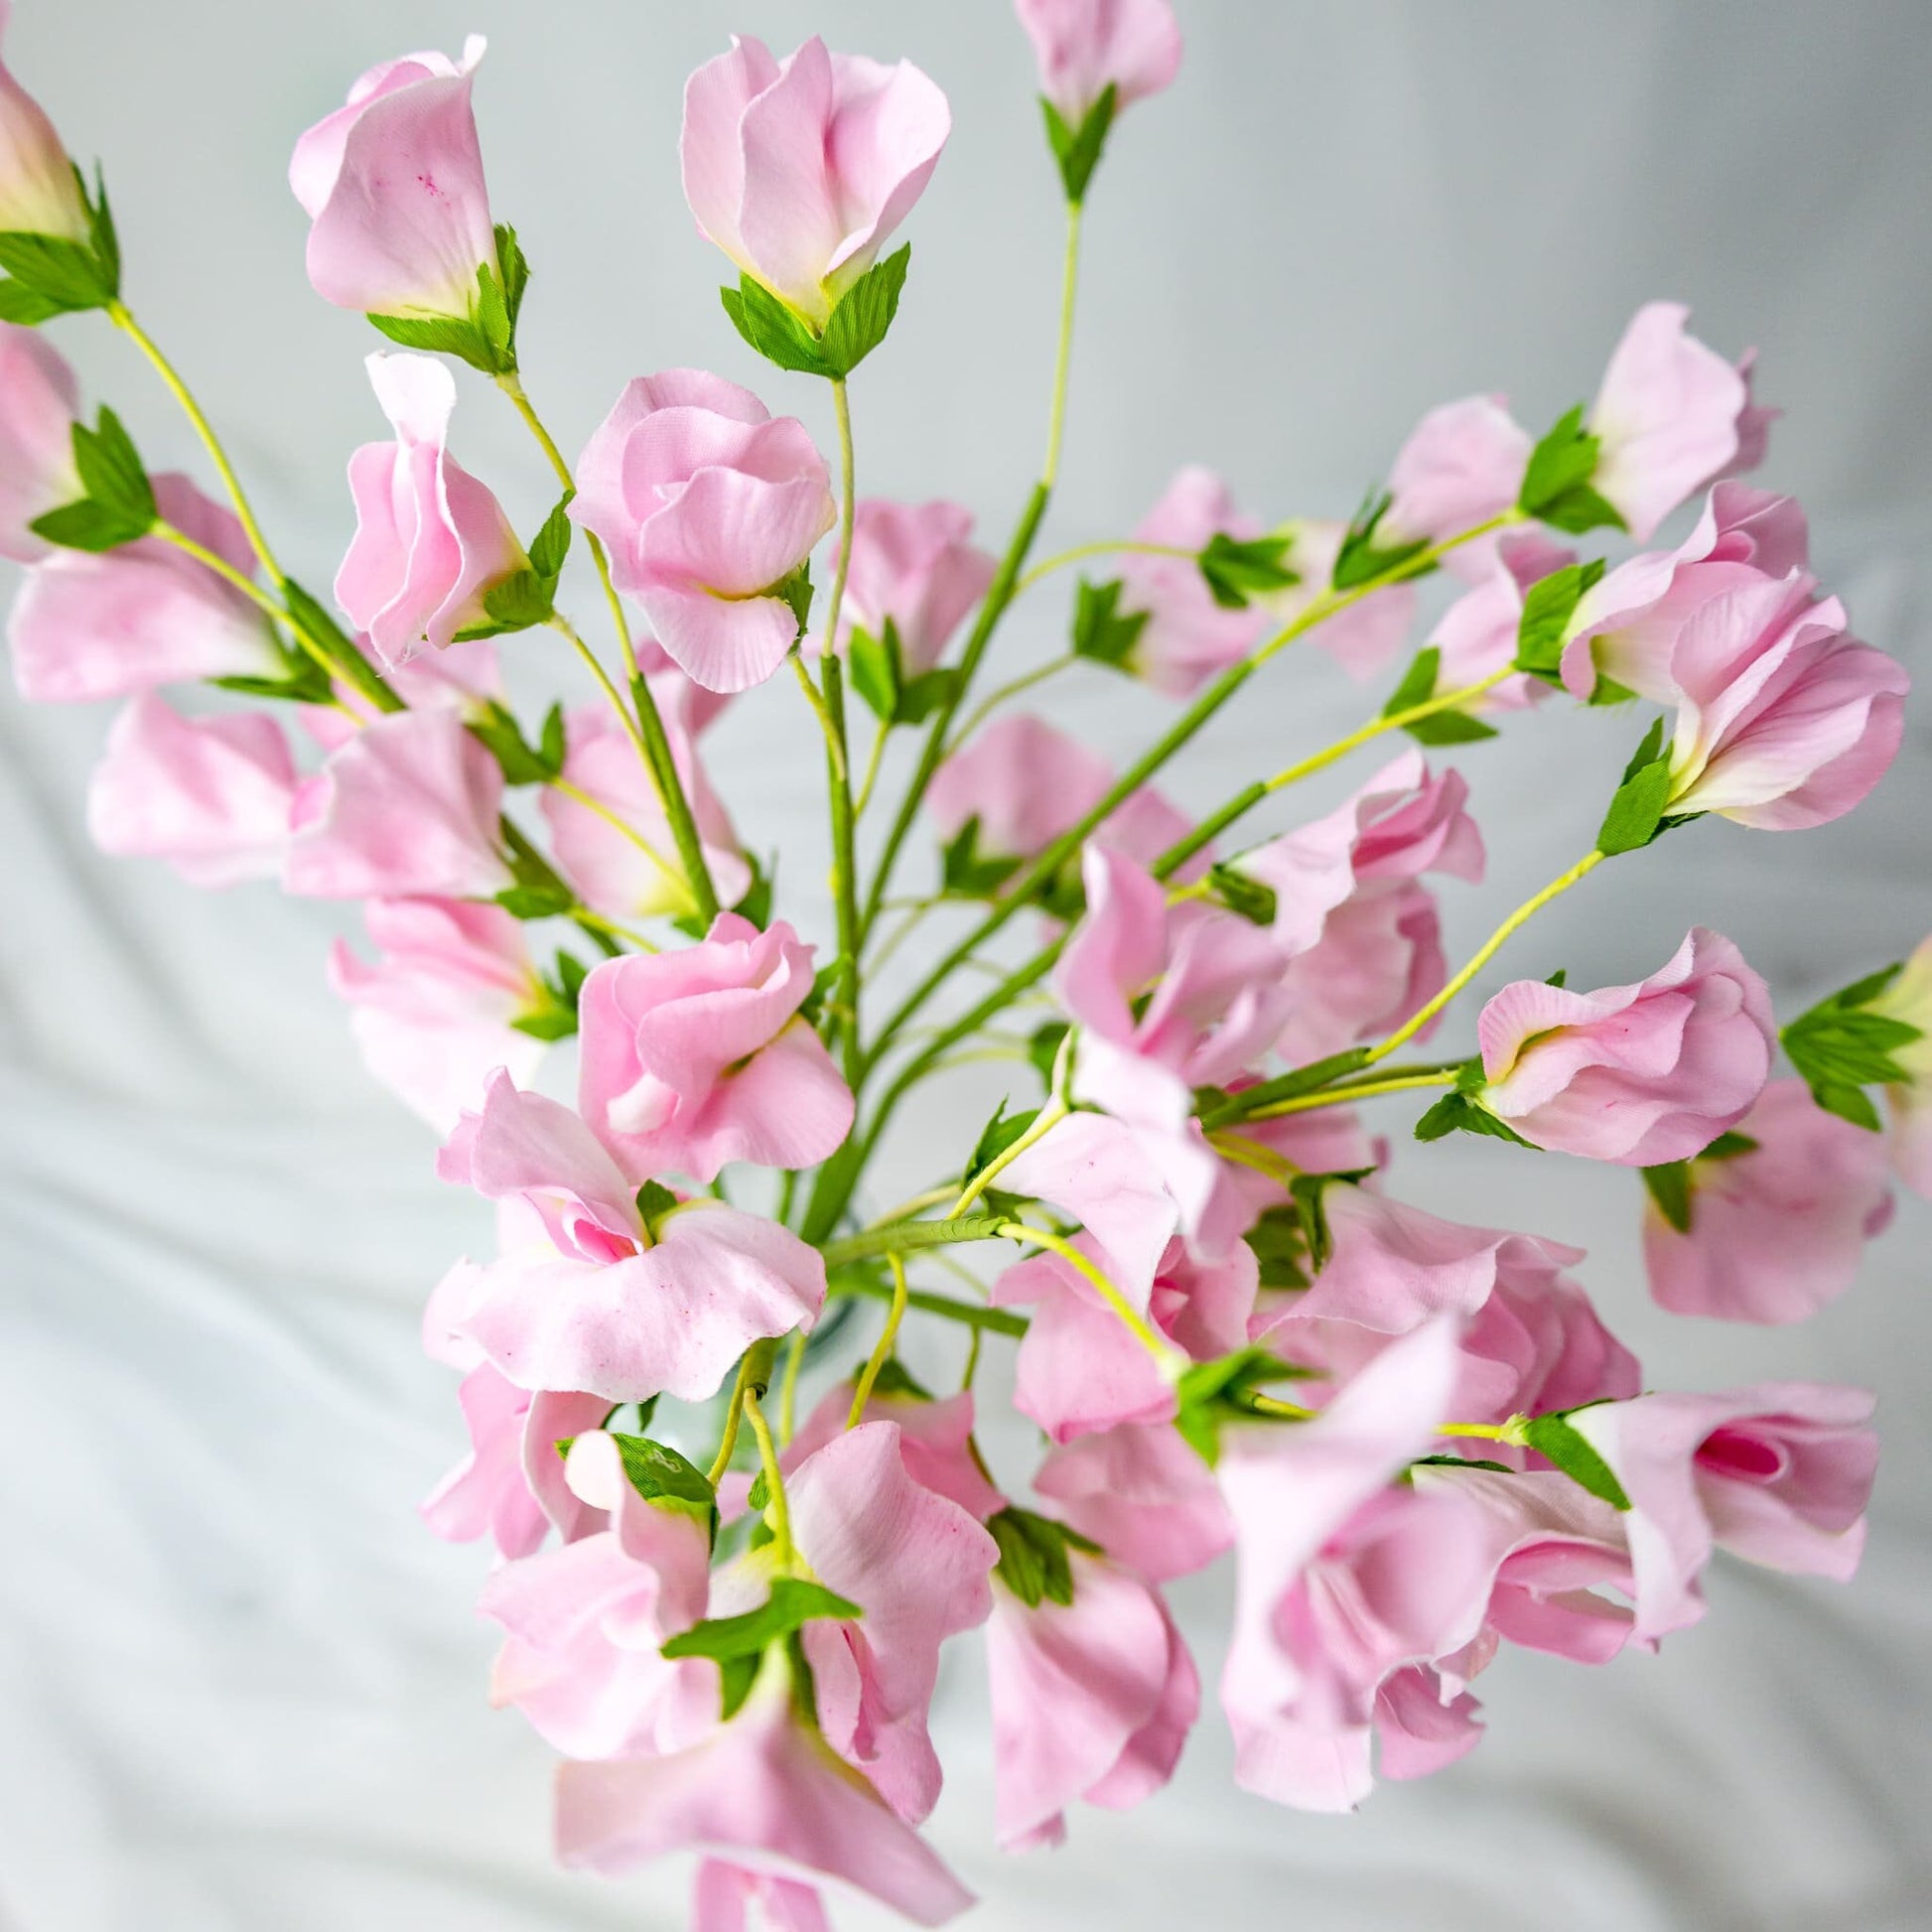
(1484,953)
(871,779)
(788,1387)
(1049,469)
(1163,1352)
(1108,547)
(838,766)
(754,1375)
(569,632)
(1048,1118)
(970,1314)
(1007,692)
(882,1351)
(902,1238)
(1305,1103)
(777,1511)
(124,319)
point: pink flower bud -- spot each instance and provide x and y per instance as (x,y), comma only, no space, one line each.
(1909,997)
(430,539)
(706,503)
(121,622)
(1461,466)
(38,191)
(210,795)
(1634,1074)
(1085,46)
(914,565)
(801,169)
(393,184)
(37,403)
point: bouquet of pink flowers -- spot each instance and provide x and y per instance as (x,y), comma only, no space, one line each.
(724,1606)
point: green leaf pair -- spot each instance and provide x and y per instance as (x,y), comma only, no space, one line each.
(856,327)
(118,507)
(1078,149)
(528,596)
(1033,1563)
(1418,686)
(1361,560)
(486,339)
(1209,1395)
(1557,483)
(1102,630)
(556,1017)
(1463,1113)
(523,764)
(1839,1049)
(968,873)
(50,276)
(1636,815)
(1548,606)
(1239,570)
(739,1643)
(879,677)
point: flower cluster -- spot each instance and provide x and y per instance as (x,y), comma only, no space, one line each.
(730,1548)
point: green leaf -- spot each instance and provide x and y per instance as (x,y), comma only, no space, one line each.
(775,331)
(304,682)
(1727,1147)
(1548,606)
(1034,1564)
(966,873)
(546,901)
(1281,1247)
(654,1201)
(1238,571)
(921,696)
(26,306)
(1573,1454)
(516,270)
(998,1134)
(1044,1048)
(1607,691)
(523,764)
(740,1642)
(1557,481)
(1101,629)
(876,671)
(1669,1183)
(1418,684)
(864,312)
(517,601)
(1450,728)
(1213,1394)
(1240,893)
(1636,812)
(87,525)
(1078,149)
(667,1480)
(458,335)
(1361,561)
(1462,1113)
(69,274)
(756,905)
(551,544)
(110,469)
(1287,1086)
(1840,1047)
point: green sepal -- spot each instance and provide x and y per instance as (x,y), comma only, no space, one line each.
(1418,686)
(1034,1564)
(1240,893)
(304,681)
(1211,1394)
(485,338)
(856,327)
(556,1017)
(1044,1048)
(87,525)
(1286,1086)
(998,1134)
(523,764)
(1078,150)
(1669,1185)
(879,676)
(966,873)
(1839,1049)
(117,506)
(1557,488)
(739,1643)
(1281,1247)
(1547,606)
(1239,570)
(1576,1455)
(1462,1113)
(1636,813)
(669,1482)
(1727,1147)
(1103,632)
(795,591)
(1360,560)
(52,276)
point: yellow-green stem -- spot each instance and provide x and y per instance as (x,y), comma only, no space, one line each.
(1137,1325)
(838,768)
(1064,354)
(1308,1103)
(1109,547)
(1008,691)
(788,1388)
(882,1351)
(777,1512)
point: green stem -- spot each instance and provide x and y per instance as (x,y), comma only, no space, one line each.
(902,1238)
(838,766)
(1303,1103)
(1163,1352)
(1008,691)
(969,1315)
(777,1511)
(753,1367)
(1108,547)
(883,1352)
(1049,469)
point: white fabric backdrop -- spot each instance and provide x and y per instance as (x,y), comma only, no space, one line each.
(239,1688)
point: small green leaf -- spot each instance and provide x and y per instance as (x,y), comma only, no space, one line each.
(69,275)
(775,331)
(739,1643)
(1418,684)
(967,873)
(1573,1454)
(894,1379)
(1287,1086)
(998,1134)
(523,764)
(1239,570)
(1211,1394)
(654,1201)
(1361,561)
(1669,1183)
(87,525)
(441,335)
(1103,632)
(1281,1247)
(1636,812)
(863,314)
(1079,150)
(112,470)
(876,671)
(1727,1147)
(101,220)
(535,901)
(756,905)
(1548,606)
(921,696)
(517,601)
(516,270)
(1240,893)
(1462,1113)
(1044,1048)
(304,682)
(1033,1563)
(27,307)
(551,545)
(1557,481)
(667,1480)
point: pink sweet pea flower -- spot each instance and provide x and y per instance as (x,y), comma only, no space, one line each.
(706,503)
(1778,1475)
(595,1303)
(766,1783)
(210,795)
(121,622)
(1778,1231)
(936,1442)
(917,1565)
(727,1897)
(1188,636)
(461,680)
(915,567)
(801,169)
(1461,466)
(1092,1700)
(1909,997)
(1667,417)
(1477,635)
(585,1621)
(1634,1074)
(1302,1733)
(430,539)
(1362,936)
(1530,1340)
(407,809)
(1364,637)
(1027,782)
(1785,722)
(1085,46)
(695,1058)
(438,1012)
(393,184)
(1081,1369)
(511,1486)
(1144,1495)
(38,191)
(39,400)
(614,874)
